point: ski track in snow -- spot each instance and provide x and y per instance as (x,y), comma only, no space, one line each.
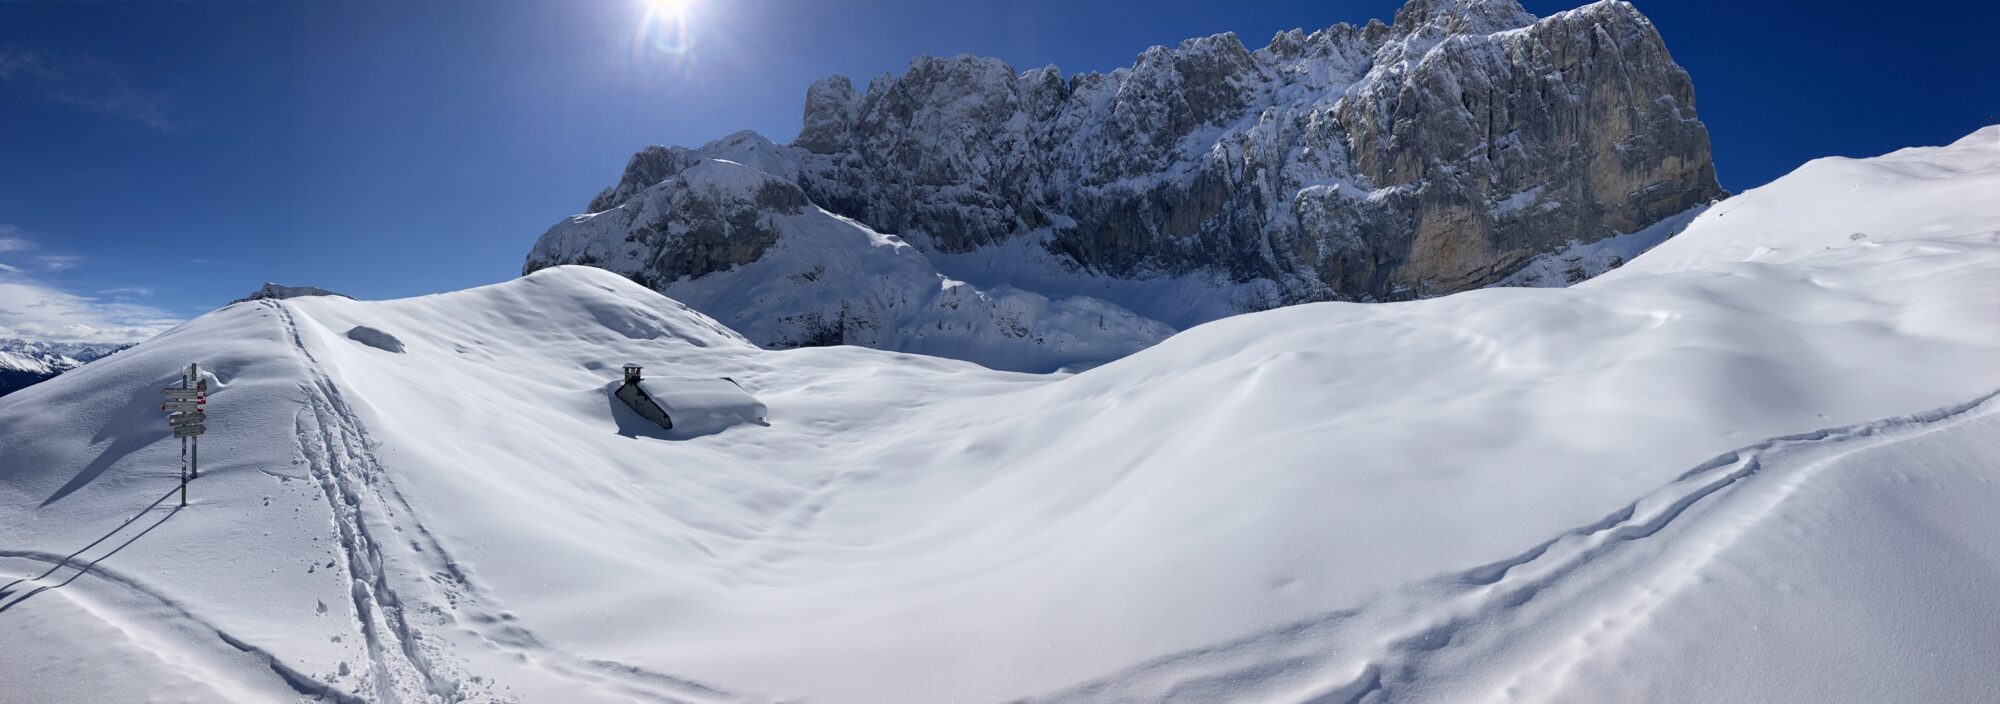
(1446,623)
(406,663)
(1438,624)
(1478,617)
(161,625)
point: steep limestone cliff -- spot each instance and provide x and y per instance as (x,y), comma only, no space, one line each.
(1439,153)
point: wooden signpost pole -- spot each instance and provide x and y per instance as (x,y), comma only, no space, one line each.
(194,461)
(184,414)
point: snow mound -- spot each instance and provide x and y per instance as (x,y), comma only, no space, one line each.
(375,338)
(703,405)
(1762,477)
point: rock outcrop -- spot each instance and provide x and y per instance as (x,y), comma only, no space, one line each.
(1436,154)
(281,291)
(748,249)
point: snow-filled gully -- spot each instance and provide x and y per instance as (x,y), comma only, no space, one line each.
(1445,627)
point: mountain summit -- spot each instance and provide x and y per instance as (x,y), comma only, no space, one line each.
(1383,162)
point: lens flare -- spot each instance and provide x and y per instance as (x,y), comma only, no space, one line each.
(670,8)
(668,26)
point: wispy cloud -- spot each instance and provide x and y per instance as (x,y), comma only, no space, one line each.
(9,243)
(36,309)
(32,310)
(84,82)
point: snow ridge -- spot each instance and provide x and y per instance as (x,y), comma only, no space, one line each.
(1427,626)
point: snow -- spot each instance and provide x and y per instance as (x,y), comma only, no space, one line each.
(1517,202)
(700,406)
(24,363)
(831,276)
(16,360)
(1920,192)
(1581,261)
(1754,464)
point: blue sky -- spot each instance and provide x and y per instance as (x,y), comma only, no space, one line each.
(160,159)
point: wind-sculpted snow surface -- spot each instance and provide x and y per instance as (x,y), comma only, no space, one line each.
(1441,153)
(1754,464)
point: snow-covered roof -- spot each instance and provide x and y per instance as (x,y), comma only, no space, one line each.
(703,404)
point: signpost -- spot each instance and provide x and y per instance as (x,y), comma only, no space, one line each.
(185,415)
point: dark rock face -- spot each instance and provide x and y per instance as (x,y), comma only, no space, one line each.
(651,165)
(1379,162)
(749,249)
(708,223)
(1365,163)
(717,231)
(1584,110)
(281,291)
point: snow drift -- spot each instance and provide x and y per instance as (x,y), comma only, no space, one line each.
(1756,463)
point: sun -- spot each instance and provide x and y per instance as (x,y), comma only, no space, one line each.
(670,9)
(669,26)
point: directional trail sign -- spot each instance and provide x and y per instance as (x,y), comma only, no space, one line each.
(185,403)
(185,415)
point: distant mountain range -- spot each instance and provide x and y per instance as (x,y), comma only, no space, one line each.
(1040,220)
(24,363)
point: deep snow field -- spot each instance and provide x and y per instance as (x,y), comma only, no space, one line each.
(1760,462)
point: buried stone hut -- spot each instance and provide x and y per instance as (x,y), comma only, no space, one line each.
(690,405)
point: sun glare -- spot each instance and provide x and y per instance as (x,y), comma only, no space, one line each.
(670,9)
(668,26)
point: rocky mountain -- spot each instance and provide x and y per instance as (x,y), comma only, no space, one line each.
(280,291)
(750,249)
(24,363)
(1445,151)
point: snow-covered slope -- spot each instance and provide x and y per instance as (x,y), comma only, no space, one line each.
(746,246)
(1696,478)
